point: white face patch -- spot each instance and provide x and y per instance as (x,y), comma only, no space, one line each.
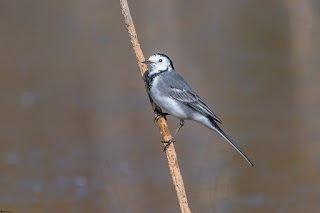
(159,63)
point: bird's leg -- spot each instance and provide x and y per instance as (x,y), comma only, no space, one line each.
(171,140)
(159,114)
(180,126)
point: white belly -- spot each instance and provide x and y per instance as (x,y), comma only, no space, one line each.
(167,103)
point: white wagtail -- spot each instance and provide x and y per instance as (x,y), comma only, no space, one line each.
(172,93)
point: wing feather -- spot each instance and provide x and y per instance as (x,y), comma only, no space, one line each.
(192,100)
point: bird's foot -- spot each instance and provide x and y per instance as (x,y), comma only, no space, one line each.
(167,144)
(159,115)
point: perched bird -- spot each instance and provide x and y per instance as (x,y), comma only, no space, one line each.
(172,93)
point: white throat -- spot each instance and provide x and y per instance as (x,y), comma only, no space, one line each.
(159,69)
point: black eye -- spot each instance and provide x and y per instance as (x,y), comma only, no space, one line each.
(160,60)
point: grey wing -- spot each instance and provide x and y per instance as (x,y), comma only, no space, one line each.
(191,99)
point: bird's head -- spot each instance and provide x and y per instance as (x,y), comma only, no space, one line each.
(159,62)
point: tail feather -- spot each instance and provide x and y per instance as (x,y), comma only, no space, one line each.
(224,135)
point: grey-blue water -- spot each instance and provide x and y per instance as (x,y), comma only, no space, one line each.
(76,126)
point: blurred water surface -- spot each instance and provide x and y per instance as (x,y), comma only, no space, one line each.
(76,126)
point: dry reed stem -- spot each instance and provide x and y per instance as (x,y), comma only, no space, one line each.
(164,131)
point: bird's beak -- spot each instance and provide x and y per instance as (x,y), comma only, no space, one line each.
(147,62)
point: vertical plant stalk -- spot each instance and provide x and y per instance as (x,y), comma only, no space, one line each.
(164,131)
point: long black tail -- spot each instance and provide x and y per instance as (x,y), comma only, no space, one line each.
(219,130)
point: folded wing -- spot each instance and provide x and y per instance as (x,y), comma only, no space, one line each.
(191,99)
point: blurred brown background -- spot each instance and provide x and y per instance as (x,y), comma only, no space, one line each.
(75,118)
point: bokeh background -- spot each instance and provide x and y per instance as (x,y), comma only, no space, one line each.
(76,126)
